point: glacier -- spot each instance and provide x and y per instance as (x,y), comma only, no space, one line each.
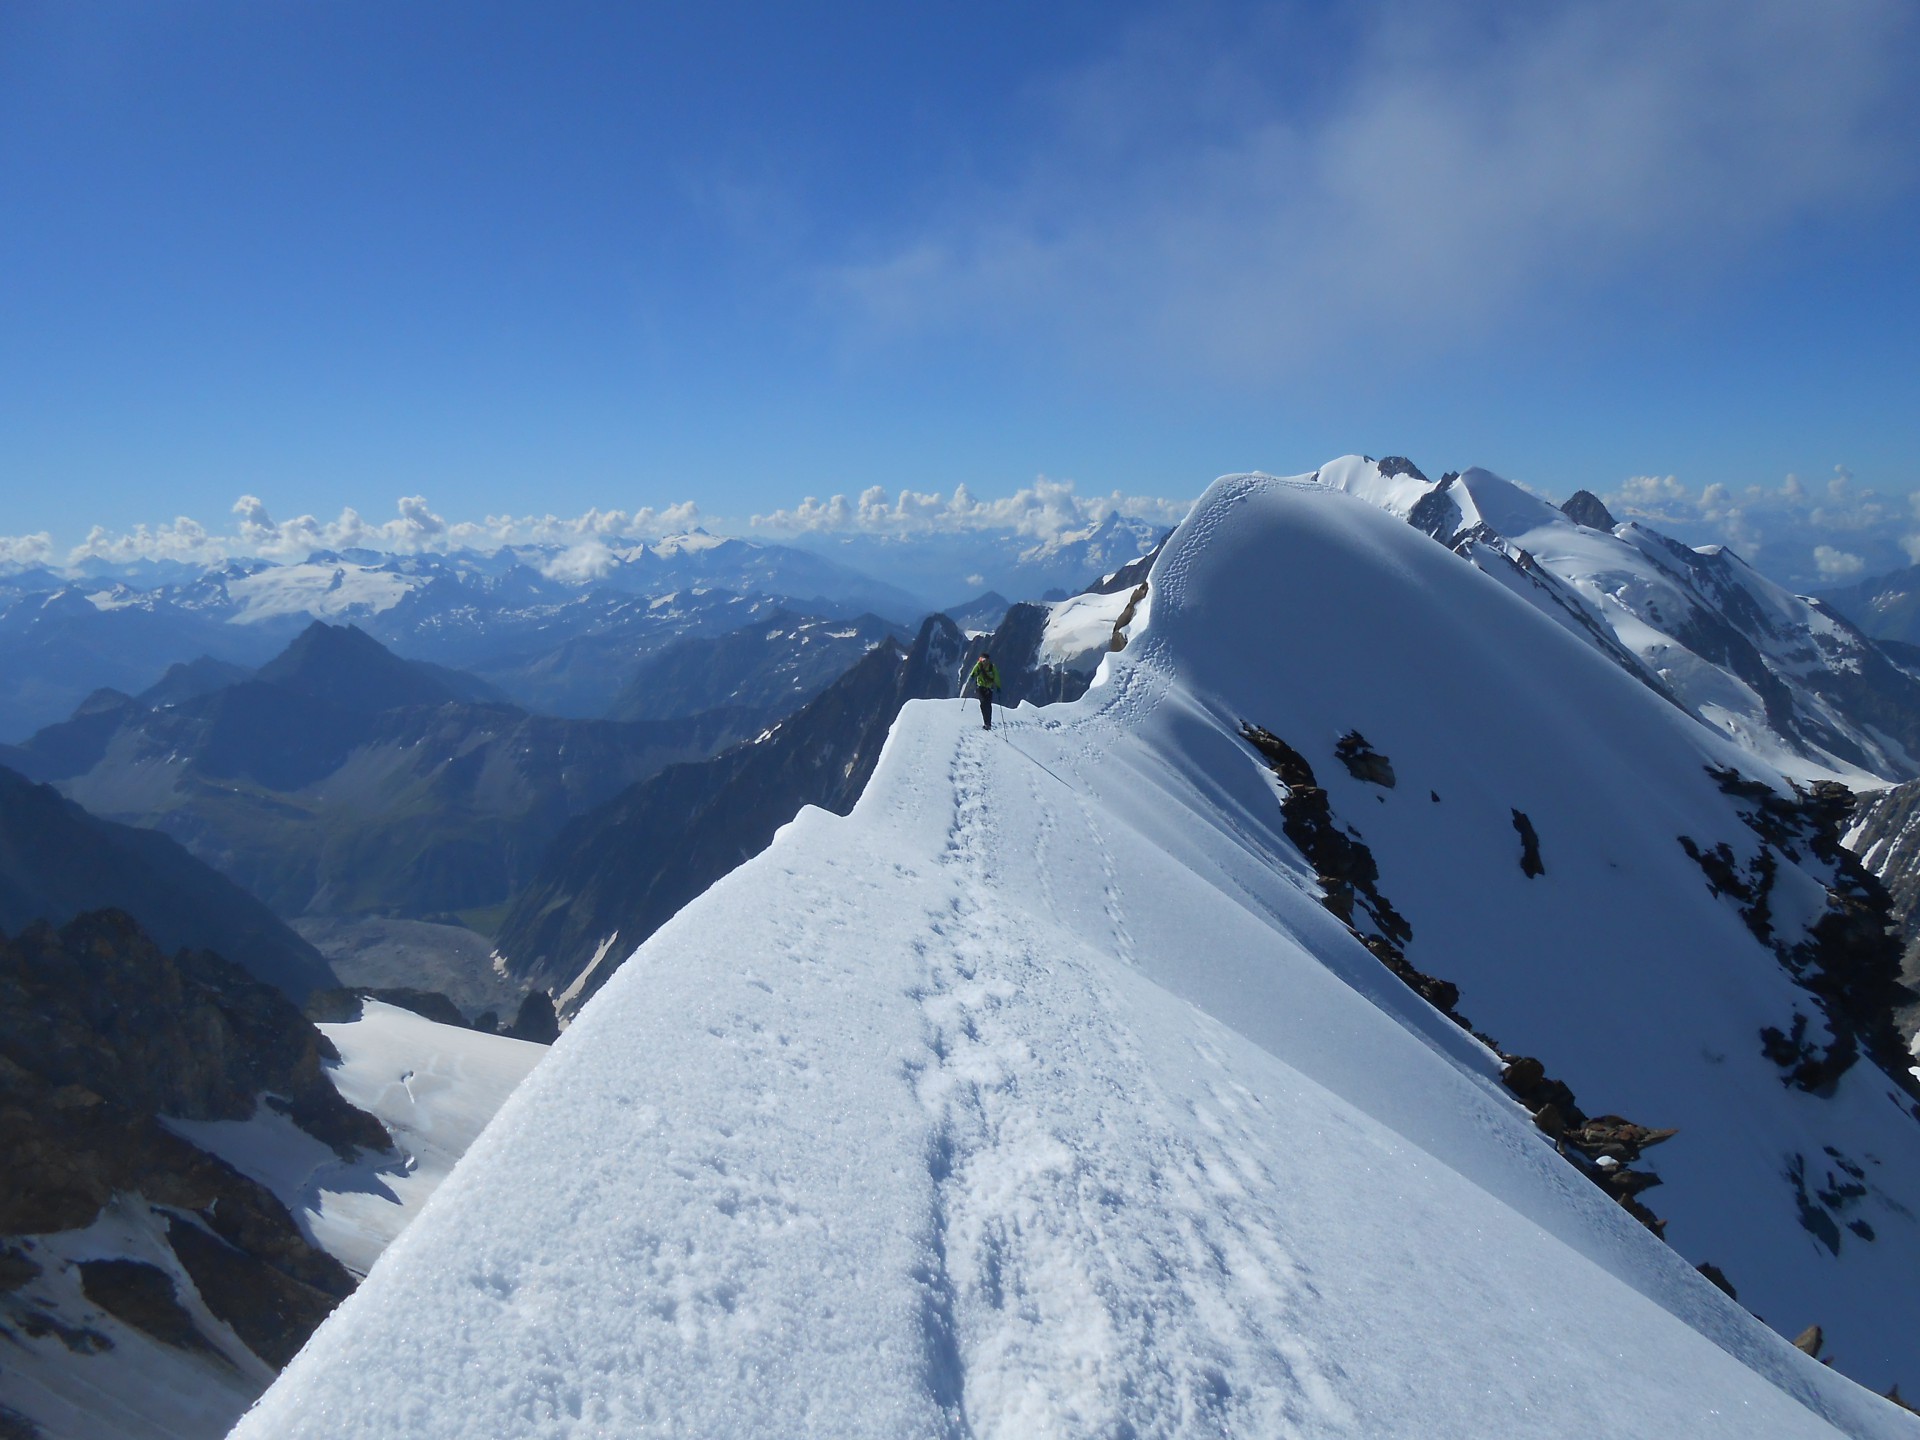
(1042,1096)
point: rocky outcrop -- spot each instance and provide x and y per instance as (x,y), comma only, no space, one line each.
(102,1035)
(1885,834)
(537,1020)
(1530,864)
(1583,507)
(1848,960)
(1363,762)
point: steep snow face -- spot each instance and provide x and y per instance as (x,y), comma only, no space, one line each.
(1042,1095)
(1783,675)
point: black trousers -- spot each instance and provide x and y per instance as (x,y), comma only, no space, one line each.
(986,708)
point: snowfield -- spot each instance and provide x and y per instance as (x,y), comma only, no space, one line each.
(1041,1096)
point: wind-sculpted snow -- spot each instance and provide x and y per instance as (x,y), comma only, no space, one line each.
(1041,1096)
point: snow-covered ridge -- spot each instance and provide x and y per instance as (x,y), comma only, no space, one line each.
(1782,674)
(1043,1096)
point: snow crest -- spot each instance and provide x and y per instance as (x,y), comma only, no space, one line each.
(1041,1096)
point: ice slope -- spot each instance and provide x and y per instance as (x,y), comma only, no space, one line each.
(1041,1097)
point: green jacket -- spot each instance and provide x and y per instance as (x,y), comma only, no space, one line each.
(983,676)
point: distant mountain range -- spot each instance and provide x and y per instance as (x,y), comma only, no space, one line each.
(553,634)
(341,780)
(774,666)
(1886,607)
(621,871)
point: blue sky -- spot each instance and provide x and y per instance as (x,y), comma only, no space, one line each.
(531,258)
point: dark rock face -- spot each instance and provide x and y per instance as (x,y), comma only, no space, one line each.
(1530,865)
(1849,960)
(100,1034)
(1601,1148)
(1888,844)
(271,1311)
(99,1005)
(1583,507)
(144,1297)
(626,868)
(1363,762)
(1392,465)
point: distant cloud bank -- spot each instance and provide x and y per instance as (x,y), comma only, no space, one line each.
(582,546)
(1810,533)
(1044,510)
(415,528)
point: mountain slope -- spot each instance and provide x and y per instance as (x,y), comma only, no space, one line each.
(57,861)
(1887,607)
(775,665)
(1045,1094)
(344,666)
(341,780)
(151,1289)
(619,873)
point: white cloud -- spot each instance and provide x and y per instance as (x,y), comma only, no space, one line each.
(415,528)
(21,551)
(1836,564)
(1198,195)
(1044,510)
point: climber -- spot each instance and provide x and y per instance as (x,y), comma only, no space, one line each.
(984,679)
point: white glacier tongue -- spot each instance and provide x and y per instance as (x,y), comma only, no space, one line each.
(1041,1096)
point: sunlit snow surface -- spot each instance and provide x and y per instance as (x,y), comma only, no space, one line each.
(433,1086)
(1041,1097)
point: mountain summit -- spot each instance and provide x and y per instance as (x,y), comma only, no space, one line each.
(346,667)
(1085,1080)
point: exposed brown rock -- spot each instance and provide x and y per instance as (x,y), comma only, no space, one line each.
(100,1034)
(1718,1278)
(1530,865)
(144,1297)
(1363,762)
